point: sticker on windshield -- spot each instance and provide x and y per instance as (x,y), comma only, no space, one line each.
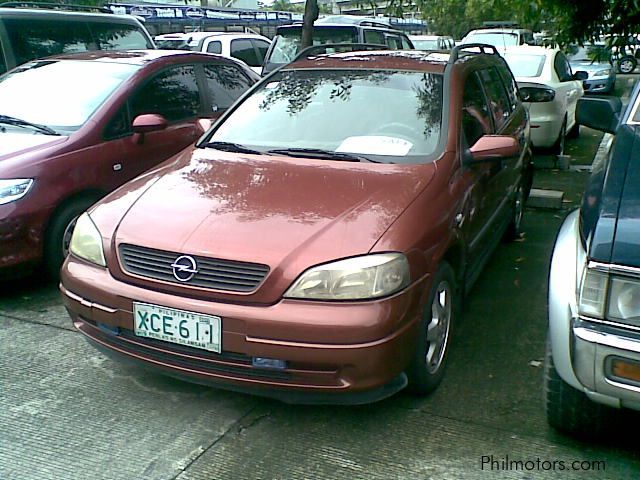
(375,145)
(271,85)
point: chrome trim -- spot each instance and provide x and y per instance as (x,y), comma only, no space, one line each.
(610,323)
(614,268)
(607,339)
(86,303)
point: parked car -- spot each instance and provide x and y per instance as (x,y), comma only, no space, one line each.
(248,47)
(550,91)
(27,34)
(74,127)
(627,55)
(593,357)
(333,29)
(595,59)
(432,42)
(500,37)
(315,244)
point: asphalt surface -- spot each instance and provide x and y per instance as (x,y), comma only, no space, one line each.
(67,412)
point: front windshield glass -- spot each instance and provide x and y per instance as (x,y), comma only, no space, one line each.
(392,116)
(493,38)
(60,94)
(596,53)
(525,65)
(286,44)
(174,44)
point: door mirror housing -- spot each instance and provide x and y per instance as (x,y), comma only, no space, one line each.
(494,147)
(149,122)
(580,75)
(600,113)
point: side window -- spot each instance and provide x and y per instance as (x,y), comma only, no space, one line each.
(476,119)
(262,47)
(243,49)
(113,36)
(173,93)
(119,126)
(214,47)
(394,42)
(225,83)
(498,100)
(374,36)
(3,61)
(406,45)
(511,86)
(562,68)
(39,38)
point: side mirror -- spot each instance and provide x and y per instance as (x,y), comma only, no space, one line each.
(580,75)
(149,122)
(494,147)
(600,113)
(204,124)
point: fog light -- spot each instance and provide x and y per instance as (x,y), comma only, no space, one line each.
(625,369)
(271,363)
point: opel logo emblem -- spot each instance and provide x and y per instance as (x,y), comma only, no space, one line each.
(184,268)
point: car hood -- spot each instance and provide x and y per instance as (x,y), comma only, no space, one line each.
(287,213)
(16,143)
(589,66)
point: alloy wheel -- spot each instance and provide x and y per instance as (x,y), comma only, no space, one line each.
(439,327)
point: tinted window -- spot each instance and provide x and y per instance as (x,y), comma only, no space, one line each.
(119,126)
(287,42)
(511,86)
(406,45)
(373,36)
(3,62)
(39,38)
(214,47)
(109,36)
(498,100)
(173,94)
(262,47)
(225,83)
(243,49)
(562,68)
(394,42)
(476,119)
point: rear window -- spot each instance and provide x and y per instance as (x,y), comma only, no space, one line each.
(287,42)
(496,39)
(525,65)
(109,36)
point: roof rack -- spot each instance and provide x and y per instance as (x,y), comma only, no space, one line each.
(482,48)
(338,48)
(500,24)
(56,6)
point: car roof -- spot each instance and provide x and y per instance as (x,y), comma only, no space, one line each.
(428,37)
(530,49)
(417,60)
(201,35)
(138,57)
(40,12)
(497,30)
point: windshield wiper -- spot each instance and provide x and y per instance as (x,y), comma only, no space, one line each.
(231,147)
(6,119)
(320,153)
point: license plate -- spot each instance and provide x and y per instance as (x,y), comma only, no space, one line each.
(178,326)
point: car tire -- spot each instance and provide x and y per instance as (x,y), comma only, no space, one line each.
(514,230)
(58,235)
(627,64)
(428,365)
(558,147)
(569,410)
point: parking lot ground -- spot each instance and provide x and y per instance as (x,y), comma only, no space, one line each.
(67,412)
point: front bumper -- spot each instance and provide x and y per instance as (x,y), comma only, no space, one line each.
(21,237)
(335,371)
(599,85)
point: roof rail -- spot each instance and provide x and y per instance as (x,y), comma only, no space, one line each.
(338,48)
(482,47)
(500,24)
(56,6)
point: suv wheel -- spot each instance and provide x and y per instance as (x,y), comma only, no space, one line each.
(568,409)
(627,64)
(427,367)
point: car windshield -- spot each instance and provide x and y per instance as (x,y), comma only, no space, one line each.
(286,44)
(497,39)
(174,44)
(596,53)
(525,64)
(389,116)
(425,44)
(60,94)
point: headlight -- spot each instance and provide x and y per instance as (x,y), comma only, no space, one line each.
(358,278)
(624,300)
(12,190)
(602,73)
(86,241)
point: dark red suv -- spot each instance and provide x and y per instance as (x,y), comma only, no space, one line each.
(73,128)
(316,244)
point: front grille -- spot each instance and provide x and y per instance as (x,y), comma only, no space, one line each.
(211,272)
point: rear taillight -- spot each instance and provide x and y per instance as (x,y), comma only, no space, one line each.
(537,94)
